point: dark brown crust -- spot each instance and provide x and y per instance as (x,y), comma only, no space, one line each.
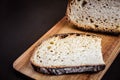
(69,70)
(83,27)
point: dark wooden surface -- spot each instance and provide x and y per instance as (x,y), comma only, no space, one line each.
(23,22)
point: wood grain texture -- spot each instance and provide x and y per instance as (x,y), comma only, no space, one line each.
(110,49)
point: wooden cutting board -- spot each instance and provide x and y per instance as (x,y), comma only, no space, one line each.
(110,49)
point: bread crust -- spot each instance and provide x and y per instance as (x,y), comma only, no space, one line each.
(85,27)
(69,70)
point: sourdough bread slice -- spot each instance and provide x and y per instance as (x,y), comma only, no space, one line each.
(95,15)
(68,53)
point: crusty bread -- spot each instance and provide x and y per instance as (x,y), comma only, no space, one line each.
(68,53)
(95,15)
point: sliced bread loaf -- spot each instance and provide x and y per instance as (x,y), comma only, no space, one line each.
(68,53)
(95,15)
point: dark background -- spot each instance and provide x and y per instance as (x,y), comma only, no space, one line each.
(23,22)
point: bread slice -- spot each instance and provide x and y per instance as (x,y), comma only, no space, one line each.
(68,53)
(95,15)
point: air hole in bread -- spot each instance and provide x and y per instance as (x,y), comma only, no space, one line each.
(63,36)
(51,42)
(72,60)
(38,52)
(93,6)
(85,45)
(48,47)
(82,16)
(56,52)
(70,10)
(86,18)
(111,24)
(67,53)
(90,4)
(77,21)
(115,19)
(106,28)
(106,4)
(38,56)
(88,8)
(71,3)
(61,60)
(84,3)
(89,16)
(99,11)
(51,50)
(96,26)
(98,18)
(77,34)
(112,17)
(117,15)
(66,18)
(78,0)
(54,60)
(88,35)
(91,21)
(41,61)
(98,0)
(105,20)
(117,26)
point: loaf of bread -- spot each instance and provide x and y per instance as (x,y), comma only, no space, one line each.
(95,15)
(68,53)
